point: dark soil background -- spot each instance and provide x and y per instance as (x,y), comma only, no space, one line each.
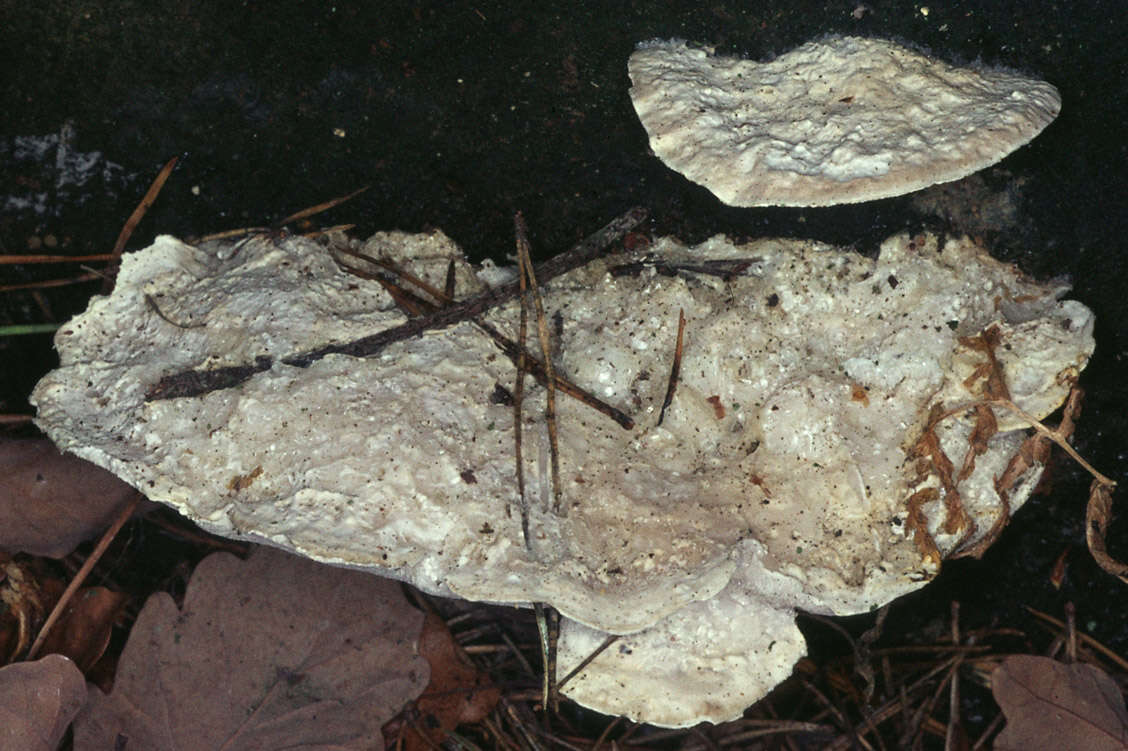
(458,114)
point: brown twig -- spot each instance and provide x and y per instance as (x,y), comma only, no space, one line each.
(725,269)
(449,282)
(611,639)
(395,268)
(518,401)
(525,266)
(548,623)
(133,220)
(1084,638)
(675,369)
(238,232)
(13,259)
(88,566)
(88,277)
(954,736)
(305,213)
(416,306)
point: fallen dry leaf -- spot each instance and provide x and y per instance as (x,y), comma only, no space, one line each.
(38,700)
(50,501)
(1098,515)
(458,692)
(1077,706)
(84,629)
(27,593)
(273,652)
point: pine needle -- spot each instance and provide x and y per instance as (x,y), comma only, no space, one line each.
(525,267)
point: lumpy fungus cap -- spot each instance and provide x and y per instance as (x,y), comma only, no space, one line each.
(840,120)
(783,473)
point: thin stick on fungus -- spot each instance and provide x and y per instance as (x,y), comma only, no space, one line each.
(415,306)
(611,639)
(675,369)
(196,383)
(448,285)
(518,398)
(152,303)
(525,266)
(393,267)
(1098,510)
(535,368)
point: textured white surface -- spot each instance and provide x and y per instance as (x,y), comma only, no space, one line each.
(841,120)
(777,480)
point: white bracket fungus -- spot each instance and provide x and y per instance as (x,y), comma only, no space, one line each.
(791,469)
(840,120)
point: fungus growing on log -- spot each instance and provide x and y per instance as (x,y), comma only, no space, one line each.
(271,395)
(840,120)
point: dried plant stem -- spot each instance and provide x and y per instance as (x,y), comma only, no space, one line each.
(1033,422)
(237,232)
(87,277)
(525,267)
(305,213)
(954,735)
(36,259)
(418,307)
(1084,638)
(134,219)
(675,369)
(1056,438)
(87,566)
(611,639)
(518,401)
(548,624)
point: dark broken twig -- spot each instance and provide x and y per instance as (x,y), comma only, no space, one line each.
(416,306)
(675,368)
(725,268)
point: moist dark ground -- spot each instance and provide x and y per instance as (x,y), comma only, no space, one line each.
(458,114)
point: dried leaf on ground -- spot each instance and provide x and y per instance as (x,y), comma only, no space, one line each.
(38,700)
(28,591)
(458,692)
(84,629)
(1098,516)
(272,652)
(50,501)
(1078,706)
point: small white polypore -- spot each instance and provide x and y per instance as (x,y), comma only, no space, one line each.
(840,120)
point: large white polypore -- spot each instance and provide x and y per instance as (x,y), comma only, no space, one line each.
(778,479)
